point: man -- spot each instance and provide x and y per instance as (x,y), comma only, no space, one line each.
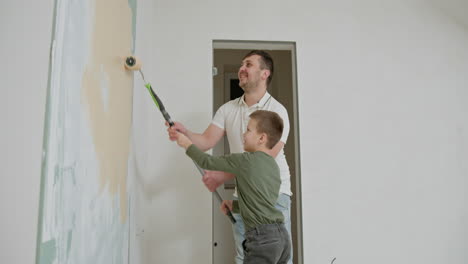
(231,119)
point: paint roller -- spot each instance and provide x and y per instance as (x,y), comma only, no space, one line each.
(134,64)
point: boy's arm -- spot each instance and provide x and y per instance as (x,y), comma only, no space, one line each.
(182,140)
(229,163)
(224,163)
(204,141)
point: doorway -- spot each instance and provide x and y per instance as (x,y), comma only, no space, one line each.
(227,55)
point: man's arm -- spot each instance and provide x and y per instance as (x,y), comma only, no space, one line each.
(213,179)
(208,139)
(229,163)
(204,141)
(277,148)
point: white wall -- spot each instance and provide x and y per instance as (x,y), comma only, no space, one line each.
(385,154)
(25,29)
(388,139)
(383,118)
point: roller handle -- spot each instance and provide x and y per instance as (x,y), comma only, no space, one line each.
(231,217)
(218,197)
(159,104)
(167,117)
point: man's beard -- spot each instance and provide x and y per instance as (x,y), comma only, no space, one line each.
(249,86)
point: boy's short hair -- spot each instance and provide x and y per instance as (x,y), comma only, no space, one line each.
(270,123)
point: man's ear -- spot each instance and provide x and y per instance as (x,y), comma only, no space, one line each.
(265,74)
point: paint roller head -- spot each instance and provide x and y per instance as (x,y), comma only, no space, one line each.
(132,63)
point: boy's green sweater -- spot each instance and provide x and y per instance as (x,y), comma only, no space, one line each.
(258,182)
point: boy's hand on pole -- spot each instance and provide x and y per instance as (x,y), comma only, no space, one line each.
(182,140)
(172,130)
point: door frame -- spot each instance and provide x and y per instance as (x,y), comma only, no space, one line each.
(297,191)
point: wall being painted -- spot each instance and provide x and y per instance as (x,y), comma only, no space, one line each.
(383,119)
(83,210)
(84,198)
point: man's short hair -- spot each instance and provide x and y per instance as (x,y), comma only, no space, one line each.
(271,124)
(266,62)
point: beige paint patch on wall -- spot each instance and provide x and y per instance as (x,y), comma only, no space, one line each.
(107,90)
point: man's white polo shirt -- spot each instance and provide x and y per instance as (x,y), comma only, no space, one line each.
(233,118)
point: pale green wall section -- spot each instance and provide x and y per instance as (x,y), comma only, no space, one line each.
(47,252)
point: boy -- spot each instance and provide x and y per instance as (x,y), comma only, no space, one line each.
(258,181)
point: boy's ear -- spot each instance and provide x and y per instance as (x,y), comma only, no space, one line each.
(263,138)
